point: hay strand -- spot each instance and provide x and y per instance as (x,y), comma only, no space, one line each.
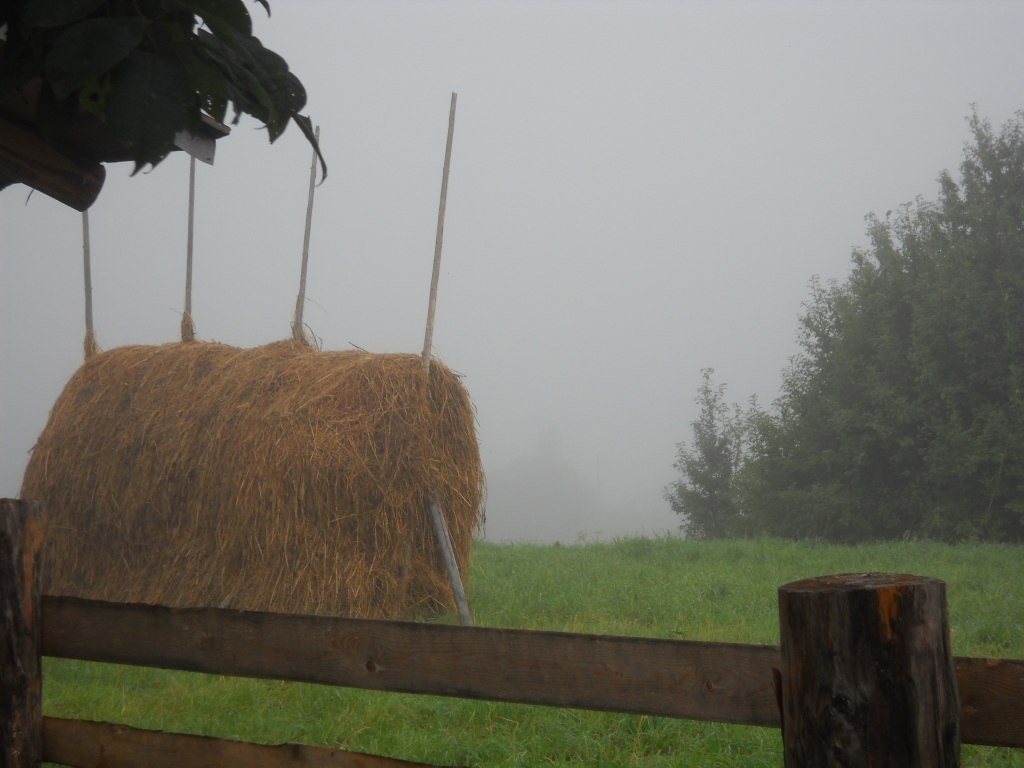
(275,478)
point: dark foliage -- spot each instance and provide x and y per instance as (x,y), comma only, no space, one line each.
(147,68)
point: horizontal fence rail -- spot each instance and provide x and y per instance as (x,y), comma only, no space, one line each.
(722,682)
(87,744)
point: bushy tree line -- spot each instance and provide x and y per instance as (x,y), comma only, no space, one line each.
(903,413)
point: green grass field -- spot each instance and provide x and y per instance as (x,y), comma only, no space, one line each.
(641,587)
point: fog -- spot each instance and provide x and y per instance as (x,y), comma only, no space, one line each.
(638,190)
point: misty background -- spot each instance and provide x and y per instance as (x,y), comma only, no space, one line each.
(638,191)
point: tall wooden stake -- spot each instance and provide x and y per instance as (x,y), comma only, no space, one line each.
(188,329)
(428,337)
(441,532)
(300,302)
(21,710)
(867,674)
(89,344)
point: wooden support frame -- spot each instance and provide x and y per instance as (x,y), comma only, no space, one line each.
(725,682)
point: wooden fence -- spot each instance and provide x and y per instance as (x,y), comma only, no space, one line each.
(723,682)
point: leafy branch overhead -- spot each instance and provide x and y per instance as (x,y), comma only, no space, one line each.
(146,68)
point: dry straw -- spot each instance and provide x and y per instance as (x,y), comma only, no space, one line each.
(276,478)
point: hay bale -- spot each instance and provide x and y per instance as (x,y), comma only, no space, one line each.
(275,478)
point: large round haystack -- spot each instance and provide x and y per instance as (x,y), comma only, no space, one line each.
(276,478)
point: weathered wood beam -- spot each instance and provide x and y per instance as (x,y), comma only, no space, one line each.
(27,158)
(86,744)
(991,701)
(672,678)
(867,674)
(21,538)
(704,681)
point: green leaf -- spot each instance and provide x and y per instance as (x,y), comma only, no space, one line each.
(207,80)
(93,96)
(150,101)
(86,50)
(241,69)
(50,13)
(306,126)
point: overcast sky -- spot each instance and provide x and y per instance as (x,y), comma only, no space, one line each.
(639,190)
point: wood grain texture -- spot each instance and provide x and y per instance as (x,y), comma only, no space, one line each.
(704,681)
(21,539)
(26,158)
(991,701)
(86,744)
(867,673)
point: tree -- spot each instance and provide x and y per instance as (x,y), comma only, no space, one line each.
(145,69)
(705,496)
(904,411)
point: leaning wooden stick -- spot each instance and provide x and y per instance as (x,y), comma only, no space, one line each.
(428,338)
(300,301)
(188,329)
(441,532)
(447,549)
(89,344)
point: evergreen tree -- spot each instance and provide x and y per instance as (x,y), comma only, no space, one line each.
(704,496)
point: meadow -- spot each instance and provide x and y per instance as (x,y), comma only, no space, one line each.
(665,587)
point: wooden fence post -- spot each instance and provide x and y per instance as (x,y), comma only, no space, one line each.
(867,674)
(21,712)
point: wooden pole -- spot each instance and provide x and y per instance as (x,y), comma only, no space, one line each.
(428,336)
(300,302)
(188,329)
(441,532)
(867,674)
(447,549)
(89,344)
(21,710)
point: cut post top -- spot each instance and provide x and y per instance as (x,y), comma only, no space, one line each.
(851,582)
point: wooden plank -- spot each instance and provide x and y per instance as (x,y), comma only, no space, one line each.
(991,701)
(86,744)
(21,703)
(704,681)
(25,157)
